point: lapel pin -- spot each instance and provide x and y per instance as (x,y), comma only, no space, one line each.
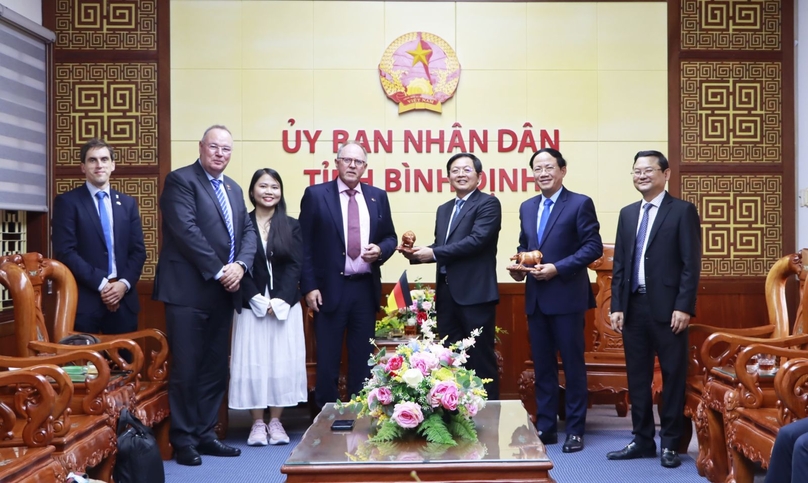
(373,199)
(118,203)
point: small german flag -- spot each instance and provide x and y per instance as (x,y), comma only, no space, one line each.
(400,297)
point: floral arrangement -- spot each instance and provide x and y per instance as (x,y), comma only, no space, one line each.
(423,388)
(422,309)
(396,451)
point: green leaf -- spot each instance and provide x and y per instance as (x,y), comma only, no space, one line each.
(388,431)
(435,431)
(463,428)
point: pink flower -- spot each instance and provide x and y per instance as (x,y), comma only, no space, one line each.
(449,400)
(426,305)
(394,363)
(472,409)
(381,395)
(443,354)
(440,391)
(407,414)
(424,362)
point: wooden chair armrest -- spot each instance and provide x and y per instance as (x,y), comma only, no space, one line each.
(760,331)
(790,386)
(64,394)
(751,395)
(112,349)
(735,343)
(157,369)
(35,398)
(94,401)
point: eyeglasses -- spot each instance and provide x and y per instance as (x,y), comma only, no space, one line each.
(466,170)
(214,148)
(644,172)
(352,161)
(544,169)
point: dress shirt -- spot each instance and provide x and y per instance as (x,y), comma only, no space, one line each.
(353,267)
(656,202)
(108,207)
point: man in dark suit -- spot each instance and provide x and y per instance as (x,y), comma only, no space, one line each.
(97,234)
(564,226)
(348,234)
(465,250)
(208,243)
(657,262)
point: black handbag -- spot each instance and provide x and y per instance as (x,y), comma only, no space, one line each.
(138,459)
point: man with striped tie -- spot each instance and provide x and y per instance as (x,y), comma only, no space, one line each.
(208,245)
(657,263)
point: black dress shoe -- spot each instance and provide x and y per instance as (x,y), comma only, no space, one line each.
(632,451)
(573,444)
(548,438)
(217,448)
(669,458)
(188,456)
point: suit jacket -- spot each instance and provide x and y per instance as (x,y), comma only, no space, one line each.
(571,241)
(470,252)
(672,258)
(324,243)
(285,271)
(196,244)
(78,242)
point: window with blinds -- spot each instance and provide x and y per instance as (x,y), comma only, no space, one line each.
(24,61)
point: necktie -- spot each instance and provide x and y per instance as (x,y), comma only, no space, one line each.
(641,233)
(228,220)
(545,215)
(458,206)
(354,237)
(102,213)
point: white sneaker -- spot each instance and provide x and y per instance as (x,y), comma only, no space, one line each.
(258,434)
(276,433)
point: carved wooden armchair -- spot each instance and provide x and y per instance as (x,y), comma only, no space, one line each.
(150,399)
(28,404)
(605,363)
(754,412)
(711,373)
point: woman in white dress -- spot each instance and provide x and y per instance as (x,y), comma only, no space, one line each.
(268,365)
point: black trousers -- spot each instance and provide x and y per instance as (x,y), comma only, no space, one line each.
(199,341)
(354,321)
(456,322)
(102,321)
(644,337)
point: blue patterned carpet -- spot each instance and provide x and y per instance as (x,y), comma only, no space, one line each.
(605,432)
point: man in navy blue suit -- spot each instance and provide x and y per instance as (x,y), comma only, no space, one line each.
(564,226)
(348,234)
(97,234)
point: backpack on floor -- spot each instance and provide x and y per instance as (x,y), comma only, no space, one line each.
(138,459)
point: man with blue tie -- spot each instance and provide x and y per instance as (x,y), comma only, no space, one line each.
(97,234)
(465,252)
(657,263)
(208,245)
(564,226)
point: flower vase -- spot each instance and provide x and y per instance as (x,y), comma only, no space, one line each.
(396,333)
(411,331)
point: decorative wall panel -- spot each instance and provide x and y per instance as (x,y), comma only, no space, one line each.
(144,189)
(741,222)
(731,25)
(731,112)
(117,102)
(106,24)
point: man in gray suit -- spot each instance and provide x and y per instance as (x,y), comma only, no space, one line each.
(208,243)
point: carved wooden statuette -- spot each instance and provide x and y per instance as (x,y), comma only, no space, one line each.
(526,261)
(407,242)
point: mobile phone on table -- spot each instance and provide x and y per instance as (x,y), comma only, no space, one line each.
(342,425)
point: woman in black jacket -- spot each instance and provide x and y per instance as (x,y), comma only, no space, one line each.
(268,366)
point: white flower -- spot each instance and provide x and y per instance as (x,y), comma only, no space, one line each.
(412,377)
(411,321)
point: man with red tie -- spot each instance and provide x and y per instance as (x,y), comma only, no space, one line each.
(348,234)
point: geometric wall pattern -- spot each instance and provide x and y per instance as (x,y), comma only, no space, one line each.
(741,221)
(106,24)
(730,25)
(731,112)
(115,101)
(144,190)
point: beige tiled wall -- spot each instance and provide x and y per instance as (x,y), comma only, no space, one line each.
(594,71)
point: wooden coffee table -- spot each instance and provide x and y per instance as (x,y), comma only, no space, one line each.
(508,449)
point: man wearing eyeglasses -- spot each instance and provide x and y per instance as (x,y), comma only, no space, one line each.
(564,226)
(465,252)
(208,244)
(657,262)
(348,234)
